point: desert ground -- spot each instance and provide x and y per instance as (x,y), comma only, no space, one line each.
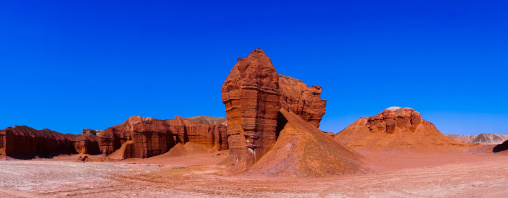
(206,175)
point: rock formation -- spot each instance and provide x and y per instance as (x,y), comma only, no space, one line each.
(140,137)
(253,94)
(302,150)
(252,99)
(483,138)
(208,120)
(87,144)
(24,142)
(91,131)
(501,147)
(396,129)
(301,99)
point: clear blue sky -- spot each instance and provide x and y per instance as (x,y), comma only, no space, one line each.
(69,65)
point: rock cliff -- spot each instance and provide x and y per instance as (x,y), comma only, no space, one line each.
(252,99)
(87,144)
(24,142)
(145,137)
(301,99)
(253,94)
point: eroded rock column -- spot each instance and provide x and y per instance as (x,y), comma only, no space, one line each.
(252,99)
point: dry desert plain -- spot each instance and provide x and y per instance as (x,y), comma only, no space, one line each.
(480,174)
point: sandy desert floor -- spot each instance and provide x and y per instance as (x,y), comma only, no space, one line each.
(401,175)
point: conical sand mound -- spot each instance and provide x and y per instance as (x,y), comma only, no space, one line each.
(302,150)
(397,129)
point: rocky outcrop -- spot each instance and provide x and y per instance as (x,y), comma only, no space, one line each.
(252,99)
(24,142)
(145,137)
(253,94)
(396,129)
(91,131)
(87,144)
(301,99)
(483,138)
(501,147)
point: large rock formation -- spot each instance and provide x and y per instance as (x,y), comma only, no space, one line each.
(141,137)
(396,129)
(301,99)
(252,98)
(24,142)
(87,144)
(302,150)
(253,94)
(483,138)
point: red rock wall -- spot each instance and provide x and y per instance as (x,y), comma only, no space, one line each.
(87,144)
(25,142)
(2,145)
(301,99)
(252,99)
(151,137)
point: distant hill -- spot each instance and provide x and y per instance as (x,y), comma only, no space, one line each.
(484,138)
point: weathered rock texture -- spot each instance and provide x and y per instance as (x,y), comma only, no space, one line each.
(301,99)
(252,98)
(302,150)
(87,144)
(501,147)
(396,129)
(253,94)
(208,120)
(91,131)
(24,142)
(141,137)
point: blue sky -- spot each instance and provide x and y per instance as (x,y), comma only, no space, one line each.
(69,65)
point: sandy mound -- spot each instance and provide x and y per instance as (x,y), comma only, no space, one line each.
(398,130)
(188,149)
(302,150)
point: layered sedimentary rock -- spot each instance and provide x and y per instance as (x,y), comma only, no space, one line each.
(25,142)
(302,150)
(87,144)
(253,94)
(252,99)
(301,99)
(397,129)
(141,137)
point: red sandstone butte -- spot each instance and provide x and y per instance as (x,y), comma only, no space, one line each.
(253,94)
(301,99)
(396,129)
(25,142)
(252,99)
(145,137)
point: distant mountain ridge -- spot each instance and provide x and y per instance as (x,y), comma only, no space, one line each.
(483,138)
